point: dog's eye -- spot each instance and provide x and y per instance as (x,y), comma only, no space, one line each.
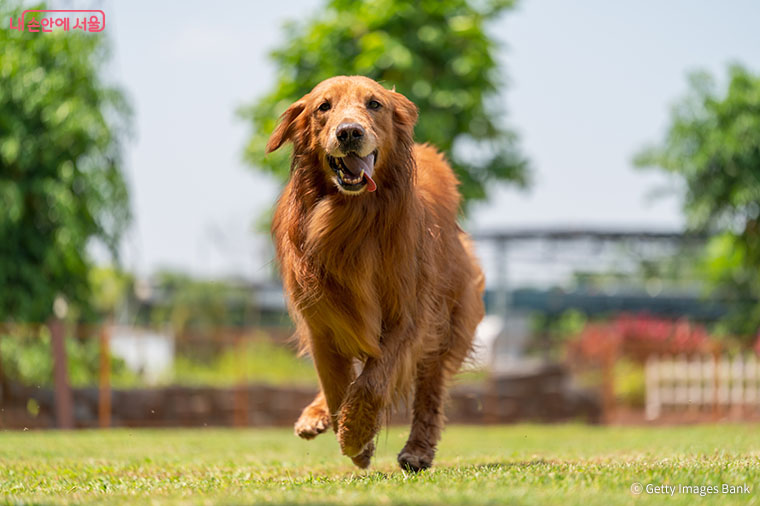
(373,104)
(325,106)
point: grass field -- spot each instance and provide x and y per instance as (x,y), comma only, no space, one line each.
(521,464)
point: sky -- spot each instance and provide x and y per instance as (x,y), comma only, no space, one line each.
(589,84)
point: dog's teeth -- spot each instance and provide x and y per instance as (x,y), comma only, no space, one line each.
(349,179)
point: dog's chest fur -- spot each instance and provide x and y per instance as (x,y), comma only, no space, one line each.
(346,248)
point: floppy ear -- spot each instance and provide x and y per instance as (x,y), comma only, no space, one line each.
(404,111)
(286,128)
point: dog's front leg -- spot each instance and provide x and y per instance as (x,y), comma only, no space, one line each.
(315,418)
(335,373)
(359,418)
(367,396)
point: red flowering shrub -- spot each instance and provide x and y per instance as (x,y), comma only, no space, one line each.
(639,336)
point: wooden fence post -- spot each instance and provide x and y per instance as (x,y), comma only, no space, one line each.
(240,410)
(608,383)
(737,386)
(716,385)
(2,383)
(63,403)
(750,394)
(104,389)
(652,375)
(2,375)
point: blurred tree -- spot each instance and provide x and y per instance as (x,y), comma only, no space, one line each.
(27,359)
(61,184)
(111,290)
(186,302)
(192,304)
(436,52)
(713,147)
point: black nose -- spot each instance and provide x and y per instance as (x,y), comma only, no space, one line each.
(348,133)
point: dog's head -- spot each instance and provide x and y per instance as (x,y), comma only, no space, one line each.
(354,128)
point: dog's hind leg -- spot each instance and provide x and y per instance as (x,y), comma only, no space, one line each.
(433,374)
(428,419)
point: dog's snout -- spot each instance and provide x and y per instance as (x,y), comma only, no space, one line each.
(348,133)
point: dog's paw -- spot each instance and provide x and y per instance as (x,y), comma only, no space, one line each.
(312,422)
(359,421)
(415,457)
(355,434)
(365,457)
(353,442)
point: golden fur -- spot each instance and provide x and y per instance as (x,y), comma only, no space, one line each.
(386,279)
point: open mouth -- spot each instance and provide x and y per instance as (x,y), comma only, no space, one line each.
(354,172)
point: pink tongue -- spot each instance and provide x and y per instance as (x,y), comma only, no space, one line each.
(355,164)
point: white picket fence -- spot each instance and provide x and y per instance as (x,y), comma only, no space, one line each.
(702,382)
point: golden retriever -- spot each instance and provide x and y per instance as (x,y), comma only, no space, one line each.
(376,270)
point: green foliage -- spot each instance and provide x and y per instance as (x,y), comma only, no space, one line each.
(629,380)
(551,333)
(188,303)
(110,288)
(61,184)
(27,358)
(436,52)
(729,268)
(259,361)
(713,147)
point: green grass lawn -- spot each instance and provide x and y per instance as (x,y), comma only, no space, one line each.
(520,464)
